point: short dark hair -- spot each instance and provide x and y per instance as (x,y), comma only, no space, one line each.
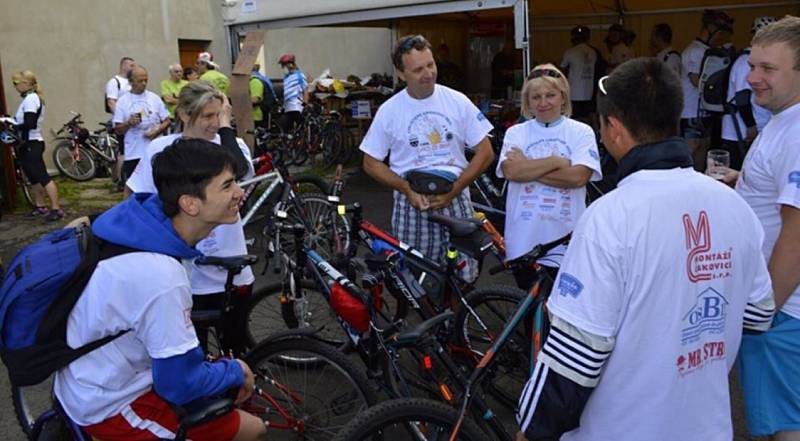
(663,32)
(404,45)
(185,168)
(645,95)
(124,59)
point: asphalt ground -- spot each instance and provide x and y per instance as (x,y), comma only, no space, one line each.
(15,232)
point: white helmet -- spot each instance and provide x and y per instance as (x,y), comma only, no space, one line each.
(762,22)
(7,137)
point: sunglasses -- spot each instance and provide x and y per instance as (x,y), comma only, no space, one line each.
(19,82)
(536,73)
(601,85)
(411,42)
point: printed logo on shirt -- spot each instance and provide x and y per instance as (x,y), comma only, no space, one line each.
(593,153)
(703,264)
(794,178)
(569,284)
(481,116)
(429,129)
(706,315)
(187,317)
(695,359)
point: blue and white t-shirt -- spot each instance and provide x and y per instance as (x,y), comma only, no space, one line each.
(429,133)
(294,83)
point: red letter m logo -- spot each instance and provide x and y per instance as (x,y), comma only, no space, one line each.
(698,241)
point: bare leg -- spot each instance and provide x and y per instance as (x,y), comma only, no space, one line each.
(250,427)
(118,167)
(52,193)
(787,436)
(38,194)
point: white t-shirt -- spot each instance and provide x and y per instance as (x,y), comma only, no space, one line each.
(580,60)
(672,58)
(771,178)
(692,58)
(117,86)
(426,133)
(737,82)
(620,54)
(153,113)
(666,264)
(147,293)
(224,240)
(31,103)
(537,213)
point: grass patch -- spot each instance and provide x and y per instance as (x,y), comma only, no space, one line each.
(74,195)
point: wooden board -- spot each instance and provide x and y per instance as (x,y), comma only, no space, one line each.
(240,86)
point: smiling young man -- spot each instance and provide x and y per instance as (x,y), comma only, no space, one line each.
(770,183)
(424,129)
(124,389)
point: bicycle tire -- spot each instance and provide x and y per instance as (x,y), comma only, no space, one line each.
(82,170)
(320,215)
(378,422)
(25,185)
(270,312)
(307,183)
(506,375)
(325,396)
(30,402)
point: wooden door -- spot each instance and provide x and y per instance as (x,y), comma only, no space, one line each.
(188,50)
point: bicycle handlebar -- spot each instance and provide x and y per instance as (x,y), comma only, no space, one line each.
(531,256)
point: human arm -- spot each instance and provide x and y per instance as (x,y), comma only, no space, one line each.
(159,129)
(384,175)
(784,263)
(573,176)
(183,378)
(484,155)
(228,141)
(518,168)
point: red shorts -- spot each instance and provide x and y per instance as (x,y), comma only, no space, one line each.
(150,418)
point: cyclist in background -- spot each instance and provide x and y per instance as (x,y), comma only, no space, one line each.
(295,92)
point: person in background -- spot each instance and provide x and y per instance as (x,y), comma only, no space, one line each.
(170,88)
(209,71)
(547,160)
(261,88)
(295,92)
(578,64)
(117,86)
(618,51)
(661,45)
(29,119)
(190,74)
(449,73)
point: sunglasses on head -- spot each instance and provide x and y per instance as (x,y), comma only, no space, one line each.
(536,73)
(411,42)
(601,85)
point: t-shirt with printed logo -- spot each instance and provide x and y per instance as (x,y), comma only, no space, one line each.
(771,178)
(665,264)
(429,133)
(152,111)
(536,212)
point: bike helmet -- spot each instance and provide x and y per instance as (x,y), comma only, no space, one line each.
(286,59)
(721,20)
(762,22)
(7,137)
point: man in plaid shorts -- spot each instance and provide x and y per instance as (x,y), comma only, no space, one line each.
(424,129)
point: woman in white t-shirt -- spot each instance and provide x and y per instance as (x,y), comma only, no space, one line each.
(547,161)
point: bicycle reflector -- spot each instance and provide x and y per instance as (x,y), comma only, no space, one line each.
(349,308)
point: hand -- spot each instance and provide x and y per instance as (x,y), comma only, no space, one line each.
(521,437)
(730,175)
(75,223)
(515,154)
(226,114)
(442,200)
(135,119)
(751,134)
(153,134)
(249,383)
(418,201)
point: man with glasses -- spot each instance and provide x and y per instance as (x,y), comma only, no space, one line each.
(658,282)
(424,129)
(170,88)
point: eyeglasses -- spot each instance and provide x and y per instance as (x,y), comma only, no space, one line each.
(411,42)
(536,73)
(601,84)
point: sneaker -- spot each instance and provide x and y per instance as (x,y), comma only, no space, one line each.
(54,215)
(37,212)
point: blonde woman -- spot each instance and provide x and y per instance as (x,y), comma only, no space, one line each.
(29,119)
(547,161)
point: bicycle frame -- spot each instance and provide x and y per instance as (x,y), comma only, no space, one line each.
(249,186)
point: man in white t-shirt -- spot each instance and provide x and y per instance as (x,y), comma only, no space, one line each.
(744,118)
(658,281)
(661,43)
(578,65)
(425,128)
(695,125)
(140,116)
(770,183)
(117,86)
(125,389)
(618,51)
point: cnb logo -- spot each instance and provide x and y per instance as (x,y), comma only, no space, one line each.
(706,315)
(698,241)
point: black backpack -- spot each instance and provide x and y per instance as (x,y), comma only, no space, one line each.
(270,99)
(600,68)
(105,97)
(37,295)
(715,71)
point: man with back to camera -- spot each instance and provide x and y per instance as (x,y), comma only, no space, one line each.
(578,65)
(124,390)
(640,348)
(661,44)
(424,129)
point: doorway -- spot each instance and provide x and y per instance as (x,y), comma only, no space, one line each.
(188,50)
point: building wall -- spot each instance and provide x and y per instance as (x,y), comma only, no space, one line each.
(74,47)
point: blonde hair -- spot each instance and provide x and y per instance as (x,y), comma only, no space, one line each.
(30,78)
(785,30)
(194,96)
(559,83)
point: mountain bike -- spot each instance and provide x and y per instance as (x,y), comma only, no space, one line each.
(9,137)
(80,154)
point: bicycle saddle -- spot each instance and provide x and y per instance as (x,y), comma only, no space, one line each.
(458,227)
(410,337)
(229,263)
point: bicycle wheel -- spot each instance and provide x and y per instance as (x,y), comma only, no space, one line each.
(270,311)
(508,372)
(322,397)
(408,419)
(80,167)
(328,232)
(25,185)
(332,144)
(310,184)
(30,402)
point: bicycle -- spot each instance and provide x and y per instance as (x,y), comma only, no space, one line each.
(9,137)
(375,422)
(283,396)
(80,154)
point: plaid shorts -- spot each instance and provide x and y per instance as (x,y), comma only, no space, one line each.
(413,227)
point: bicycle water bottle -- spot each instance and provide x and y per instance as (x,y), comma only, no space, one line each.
(490,185)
